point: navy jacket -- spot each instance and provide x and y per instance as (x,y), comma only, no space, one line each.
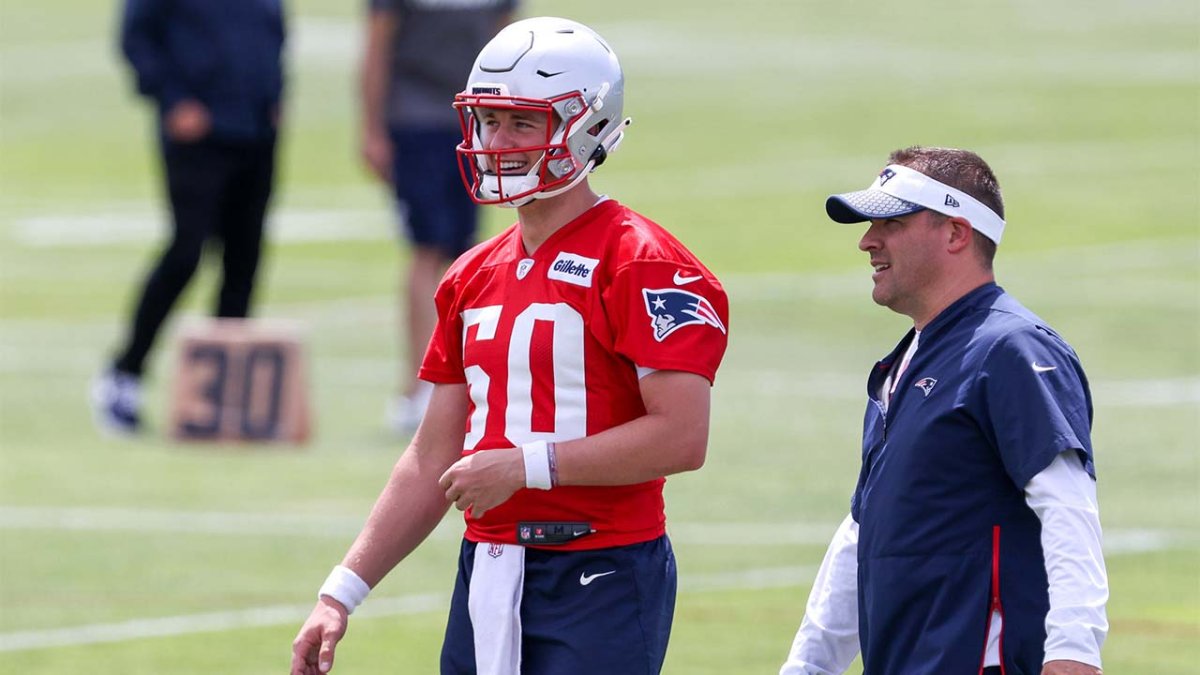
(227,54)
(990,398)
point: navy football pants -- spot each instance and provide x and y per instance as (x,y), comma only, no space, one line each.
(575,619)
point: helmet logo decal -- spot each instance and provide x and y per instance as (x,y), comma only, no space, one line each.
(488,89)
(671,309)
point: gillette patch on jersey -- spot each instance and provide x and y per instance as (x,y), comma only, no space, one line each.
(671,309)
(573,269)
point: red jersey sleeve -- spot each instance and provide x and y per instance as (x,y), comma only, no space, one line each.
(669,315)
(443,357)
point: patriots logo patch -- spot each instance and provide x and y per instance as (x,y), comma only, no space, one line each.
(671,309)
(925,384)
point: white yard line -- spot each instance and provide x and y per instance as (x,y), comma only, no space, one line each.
(209,622)
(1127,541)
(226,523)
(756,288)
(314,44)
(1158,393)
(1143,393)
(258,524)
(332,44)
(67,363)
(277,615)
(659,49)
(124,225)
(230,523)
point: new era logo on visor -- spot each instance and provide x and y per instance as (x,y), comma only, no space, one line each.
(951,201)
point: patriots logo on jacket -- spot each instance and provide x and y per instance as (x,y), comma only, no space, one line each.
(671,309)
(925,384)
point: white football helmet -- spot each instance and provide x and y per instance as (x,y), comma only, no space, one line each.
(551,66)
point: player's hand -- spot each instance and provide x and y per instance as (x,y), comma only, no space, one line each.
(484,480)
(312,650)
(187,121)
(377,154)
(1069,668)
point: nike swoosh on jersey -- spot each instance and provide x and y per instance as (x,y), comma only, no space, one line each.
(585,578)
(1042,369)
(681,280)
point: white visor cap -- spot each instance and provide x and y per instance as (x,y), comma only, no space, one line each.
(899,191)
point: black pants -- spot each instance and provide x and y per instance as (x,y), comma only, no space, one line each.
(219,193)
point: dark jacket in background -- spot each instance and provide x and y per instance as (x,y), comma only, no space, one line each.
(227,54)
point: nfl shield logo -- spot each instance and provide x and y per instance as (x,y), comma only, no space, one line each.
(495,550)
(526,534)
(523,268)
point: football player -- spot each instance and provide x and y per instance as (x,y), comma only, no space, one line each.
(572,364)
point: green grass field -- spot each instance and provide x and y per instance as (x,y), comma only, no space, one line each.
(149,557)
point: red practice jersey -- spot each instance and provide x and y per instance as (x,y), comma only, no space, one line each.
(550,344)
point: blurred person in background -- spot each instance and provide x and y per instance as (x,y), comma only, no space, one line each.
(214,69)
(416,53)
(573,358)
(973,543)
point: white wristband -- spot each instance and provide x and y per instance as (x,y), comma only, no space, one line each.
(537,466)
(346,587)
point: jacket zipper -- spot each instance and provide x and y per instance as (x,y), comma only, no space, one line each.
(995,608)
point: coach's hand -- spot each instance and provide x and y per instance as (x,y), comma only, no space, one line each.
(312,650)
(484,480)
(187,121)
(1069,668)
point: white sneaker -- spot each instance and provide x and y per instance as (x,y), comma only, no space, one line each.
(117,402)
(404,413)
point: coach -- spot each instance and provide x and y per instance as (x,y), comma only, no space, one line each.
(214,69)
(973,541)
